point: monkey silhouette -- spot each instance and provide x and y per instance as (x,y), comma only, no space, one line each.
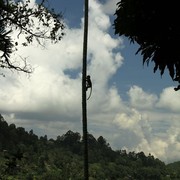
(89,85)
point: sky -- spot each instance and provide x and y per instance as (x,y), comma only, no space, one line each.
(131,107)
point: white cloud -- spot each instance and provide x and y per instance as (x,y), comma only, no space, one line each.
(51,92)
(148,127)
(110,6)
(128,121)
(170,99)
(141,99)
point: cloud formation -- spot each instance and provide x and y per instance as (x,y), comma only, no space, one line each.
(49,101)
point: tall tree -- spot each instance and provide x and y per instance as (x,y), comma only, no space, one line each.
(154,25)
(84,103)
(34,23)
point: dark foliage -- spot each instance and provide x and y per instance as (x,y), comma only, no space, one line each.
(24,155)
(154,25)
(34,23)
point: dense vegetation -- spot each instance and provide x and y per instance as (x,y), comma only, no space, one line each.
(156,31)
(25,156)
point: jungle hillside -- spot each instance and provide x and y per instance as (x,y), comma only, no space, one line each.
(26,156)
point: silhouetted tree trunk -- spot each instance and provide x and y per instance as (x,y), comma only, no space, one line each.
(84,107)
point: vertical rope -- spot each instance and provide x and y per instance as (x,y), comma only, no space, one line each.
(84,106)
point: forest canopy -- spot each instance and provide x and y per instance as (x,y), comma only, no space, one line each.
(24,155)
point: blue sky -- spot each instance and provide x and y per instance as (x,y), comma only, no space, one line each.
(139,74)
(131,107)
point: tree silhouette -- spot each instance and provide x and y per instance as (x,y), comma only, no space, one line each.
(34,23)
(84,99)
(154,25)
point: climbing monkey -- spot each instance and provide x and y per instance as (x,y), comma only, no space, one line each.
(88,85)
